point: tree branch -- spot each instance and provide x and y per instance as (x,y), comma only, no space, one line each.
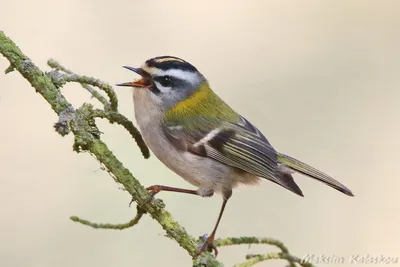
(115,117)
(250,240)
(59,79)
(254,259)
(56,65)
(81,123)
(123,226)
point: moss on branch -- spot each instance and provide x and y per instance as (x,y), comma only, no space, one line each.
(115,117)
(122,226)
(87,138)
(56,65)
(59,79)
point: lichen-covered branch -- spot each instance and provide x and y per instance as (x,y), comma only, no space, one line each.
(59,79)
(254,259)
(81,123)
(87,138)
(231,241)
(121,226)
(38,79)
(115,117)
(56,65)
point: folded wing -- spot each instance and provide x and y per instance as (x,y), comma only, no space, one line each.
(239,145)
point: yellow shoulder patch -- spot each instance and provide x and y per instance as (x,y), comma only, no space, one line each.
(197,100)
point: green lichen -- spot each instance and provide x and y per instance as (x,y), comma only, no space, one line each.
(206,259)
(81,122)
(87,138)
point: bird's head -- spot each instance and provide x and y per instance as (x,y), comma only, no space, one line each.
(168,79)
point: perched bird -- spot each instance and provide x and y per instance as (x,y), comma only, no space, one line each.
(198,136)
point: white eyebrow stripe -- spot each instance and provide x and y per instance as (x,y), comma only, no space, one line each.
(188,76)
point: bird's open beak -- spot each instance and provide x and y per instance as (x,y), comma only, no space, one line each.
(144,82)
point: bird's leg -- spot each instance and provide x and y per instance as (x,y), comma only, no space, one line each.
(209,243)
(155,189)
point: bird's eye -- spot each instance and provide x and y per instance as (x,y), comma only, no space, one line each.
(165,81)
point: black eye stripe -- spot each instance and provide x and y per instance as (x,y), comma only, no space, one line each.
(166,81)
(172,82)
(159,78)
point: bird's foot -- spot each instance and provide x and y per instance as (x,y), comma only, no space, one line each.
(153,190)
(208,245)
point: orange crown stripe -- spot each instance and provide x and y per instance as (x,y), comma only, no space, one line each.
(168,59)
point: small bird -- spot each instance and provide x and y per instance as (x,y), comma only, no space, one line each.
(192,131)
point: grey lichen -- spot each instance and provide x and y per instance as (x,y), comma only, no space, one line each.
(94,82)
(62,126)
(95,94)
(84,128)
(81,123)
(27,66)
(57,78)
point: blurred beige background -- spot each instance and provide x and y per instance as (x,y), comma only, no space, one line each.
(320,78)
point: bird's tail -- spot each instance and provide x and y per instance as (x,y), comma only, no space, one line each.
(305,169)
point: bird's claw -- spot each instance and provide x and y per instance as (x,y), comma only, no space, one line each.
(208,246)
(153,190)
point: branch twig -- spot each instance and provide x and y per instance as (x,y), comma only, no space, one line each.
(59,79)
(81,122)
(231,241)
(82,125)
(115,117)
(56,65)
(254,259)
(122,226)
